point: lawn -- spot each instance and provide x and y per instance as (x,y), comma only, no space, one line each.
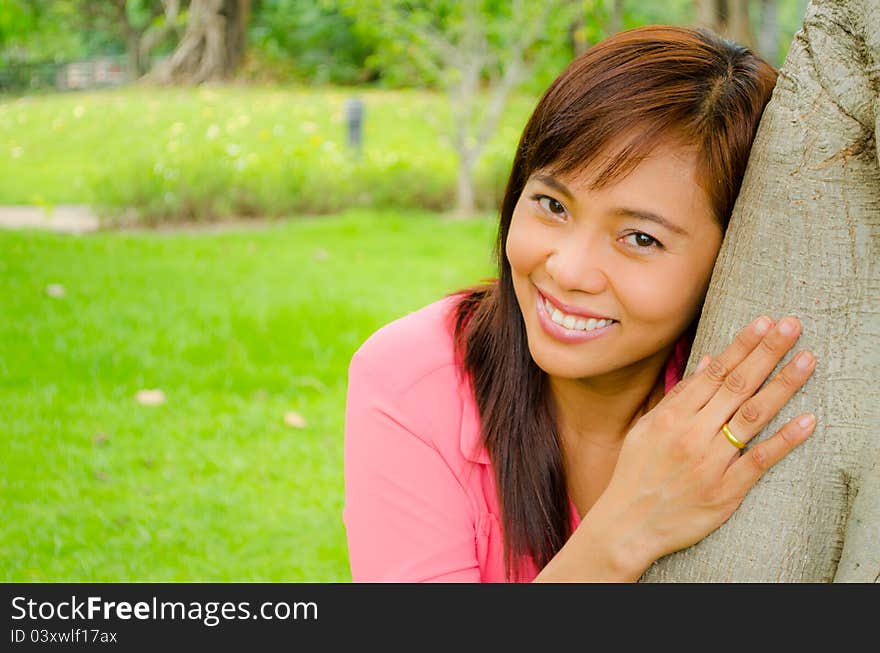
(238,329)
(196,154)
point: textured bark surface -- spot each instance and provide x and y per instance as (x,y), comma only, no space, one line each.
(211,47)
(804,239)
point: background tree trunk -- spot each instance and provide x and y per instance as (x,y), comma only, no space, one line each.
(738,27)
(707,14)
(212,46)
(730,18)
(768,32)
(615,20)
(805,240)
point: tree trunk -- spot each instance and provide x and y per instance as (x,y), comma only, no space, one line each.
(465,202)
(615,21)
(729,18)
(804,239)
(738,26)
(212,46)
(132,36)
(707,14)
(136,66)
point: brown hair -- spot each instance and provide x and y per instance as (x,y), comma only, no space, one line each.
(690,85)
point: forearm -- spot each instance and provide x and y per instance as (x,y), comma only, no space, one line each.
(601,550)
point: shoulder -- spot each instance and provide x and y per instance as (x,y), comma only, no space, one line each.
(410,349)
(407,372)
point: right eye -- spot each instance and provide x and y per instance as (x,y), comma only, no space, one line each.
(549,204)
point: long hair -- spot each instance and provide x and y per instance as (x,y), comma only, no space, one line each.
(690,85)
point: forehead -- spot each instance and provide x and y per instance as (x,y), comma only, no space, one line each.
(664,181)
(668,159)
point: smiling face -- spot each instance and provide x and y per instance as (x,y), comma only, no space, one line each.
(639,251)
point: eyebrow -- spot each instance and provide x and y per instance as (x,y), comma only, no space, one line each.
(640,214)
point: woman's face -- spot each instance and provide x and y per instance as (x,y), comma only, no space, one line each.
(639,251)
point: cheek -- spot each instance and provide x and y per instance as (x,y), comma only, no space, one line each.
(522,248)
(668,297)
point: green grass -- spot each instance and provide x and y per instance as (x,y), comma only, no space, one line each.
(196,154)
(237,328)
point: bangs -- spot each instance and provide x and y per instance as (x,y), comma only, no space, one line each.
(584,147)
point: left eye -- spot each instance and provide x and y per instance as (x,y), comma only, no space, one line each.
(642,241)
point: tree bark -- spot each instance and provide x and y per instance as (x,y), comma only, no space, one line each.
(212,46)
(804,239)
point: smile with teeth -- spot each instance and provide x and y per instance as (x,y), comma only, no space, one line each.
(573,322)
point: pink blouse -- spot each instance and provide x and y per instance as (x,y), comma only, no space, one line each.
(420,500)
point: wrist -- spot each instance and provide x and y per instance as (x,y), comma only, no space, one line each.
(620,540)
(597,552)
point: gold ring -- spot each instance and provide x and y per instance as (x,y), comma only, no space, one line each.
(727,434)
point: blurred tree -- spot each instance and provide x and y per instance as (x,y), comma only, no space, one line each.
(615,23)
(466,49)
(143,24)
(307,40)
(592,21)
(768,31)
(17,20)
(729,18)
(40,30)
(212,45)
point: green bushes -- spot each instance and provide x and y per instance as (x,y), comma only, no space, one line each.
(158,155)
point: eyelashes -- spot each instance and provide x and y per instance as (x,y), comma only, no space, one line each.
(549,204)
(555,208)
(653,241)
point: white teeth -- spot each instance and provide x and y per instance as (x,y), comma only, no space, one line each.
(572,322)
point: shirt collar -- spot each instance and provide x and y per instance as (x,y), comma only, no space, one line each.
(472,447)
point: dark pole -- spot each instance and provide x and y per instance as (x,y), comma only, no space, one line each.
(354,117)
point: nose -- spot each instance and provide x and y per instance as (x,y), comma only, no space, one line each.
(578,264)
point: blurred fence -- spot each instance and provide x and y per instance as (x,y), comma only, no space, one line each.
(97,72)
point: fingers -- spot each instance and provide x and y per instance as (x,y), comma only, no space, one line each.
(735,393)
(757,411)
(754,463)
(704,383)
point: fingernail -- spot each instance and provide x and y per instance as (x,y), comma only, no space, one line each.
(803,361)
(787,327)
(703,362)
(806,421)
(762,326)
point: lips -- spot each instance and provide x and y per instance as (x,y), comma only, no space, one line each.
(571,310)
(568,336)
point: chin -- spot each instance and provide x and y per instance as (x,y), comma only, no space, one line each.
(562,367)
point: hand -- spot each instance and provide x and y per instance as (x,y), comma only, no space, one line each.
(678,478)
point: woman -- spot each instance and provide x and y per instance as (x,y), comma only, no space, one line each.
(537,428)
